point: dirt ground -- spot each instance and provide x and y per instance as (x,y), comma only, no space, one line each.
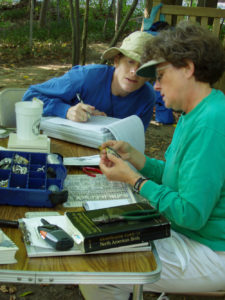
(158,137)
(38,70)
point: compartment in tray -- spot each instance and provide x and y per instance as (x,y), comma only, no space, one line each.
(20,169)
(55,171)
(54,185)
(4,175)
(21,158)
(38,168)
(54,159)
(34,174)
(36,183)
(18,181)
(4,154)
(6,158)
(38,159)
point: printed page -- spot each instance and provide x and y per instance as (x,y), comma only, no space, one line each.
(97,204)
(131,130)
(92,160)
(82,188)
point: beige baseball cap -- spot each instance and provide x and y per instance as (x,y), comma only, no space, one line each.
(149,68)
(132,46)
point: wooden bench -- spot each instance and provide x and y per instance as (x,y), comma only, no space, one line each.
(204,15)
(173,14)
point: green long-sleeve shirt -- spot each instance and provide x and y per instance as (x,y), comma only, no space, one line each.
(189,188)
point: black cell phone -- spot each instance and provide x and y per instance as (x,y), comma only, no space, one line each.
(55,236)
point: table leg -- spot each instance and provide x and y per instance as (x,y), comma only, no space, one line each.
(138,292)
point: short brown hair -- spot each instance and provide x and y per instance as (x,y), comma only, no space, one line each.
(189,42)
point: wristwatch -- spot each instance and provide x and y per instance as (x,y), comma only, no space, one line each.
(136,187)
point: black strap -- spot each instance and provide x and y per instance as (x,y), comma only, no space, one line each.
(137,184)
(58,197)
(9,223)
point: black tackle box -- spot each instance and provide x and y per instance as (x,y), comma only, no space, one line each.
(32,179)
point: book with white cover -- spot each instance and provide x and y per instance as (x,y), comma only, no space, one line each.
(96,130)
(7,249)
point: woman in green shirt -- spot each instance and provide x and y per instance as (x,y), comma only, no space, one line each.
(189,186)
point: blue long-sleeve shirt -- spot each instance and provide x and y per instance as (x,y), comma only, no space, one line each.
(93,83)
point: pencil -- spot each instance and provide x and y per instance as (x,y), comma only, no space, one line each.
(81,101)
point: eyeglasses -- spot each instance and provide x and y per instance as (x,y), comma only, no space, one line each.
(160,76)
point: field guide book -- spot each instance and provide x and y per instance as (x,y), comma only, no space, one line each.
(37,247)
(96,130)
(102,229)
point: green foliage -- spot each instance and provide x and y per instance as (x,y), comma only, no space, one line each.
(138,11)
(5,24)
(54,31)
(191,3)
(55,39)
(222,33)
(95,26)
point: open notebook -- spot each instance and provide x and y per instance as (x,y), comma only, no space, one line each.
(97,130)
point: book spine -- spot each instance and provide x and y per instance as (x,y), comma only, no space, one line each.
(125,238)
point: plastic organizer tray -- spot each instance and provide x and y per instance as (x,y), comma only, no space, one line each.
(28,179)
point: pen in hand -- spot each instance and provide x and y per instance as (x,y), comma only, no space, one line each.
(81,101)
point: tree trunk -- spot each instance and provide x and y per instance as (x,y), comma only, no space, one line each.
(148,7)
(31,23)
(77,27)
(107,17)
(58,10)
(118,12)
(122,26)
(84,34)
(100,5)
(24,3)
(147,10)
(43,14)
(74,19)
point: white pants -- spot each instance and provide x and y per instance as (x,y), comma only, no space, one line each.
(187,266)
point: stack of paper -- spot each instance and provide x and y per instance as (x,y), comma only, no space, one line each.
(89,134)
(97,130)
(7,249)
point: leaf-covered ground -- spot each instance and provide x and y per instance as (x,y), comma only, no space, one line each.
(71,292)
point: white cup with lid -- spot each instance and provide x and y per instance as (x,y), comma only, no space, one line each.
(28,117)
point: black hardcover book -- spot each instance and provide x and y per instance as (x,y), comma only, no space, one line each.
(101,229)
